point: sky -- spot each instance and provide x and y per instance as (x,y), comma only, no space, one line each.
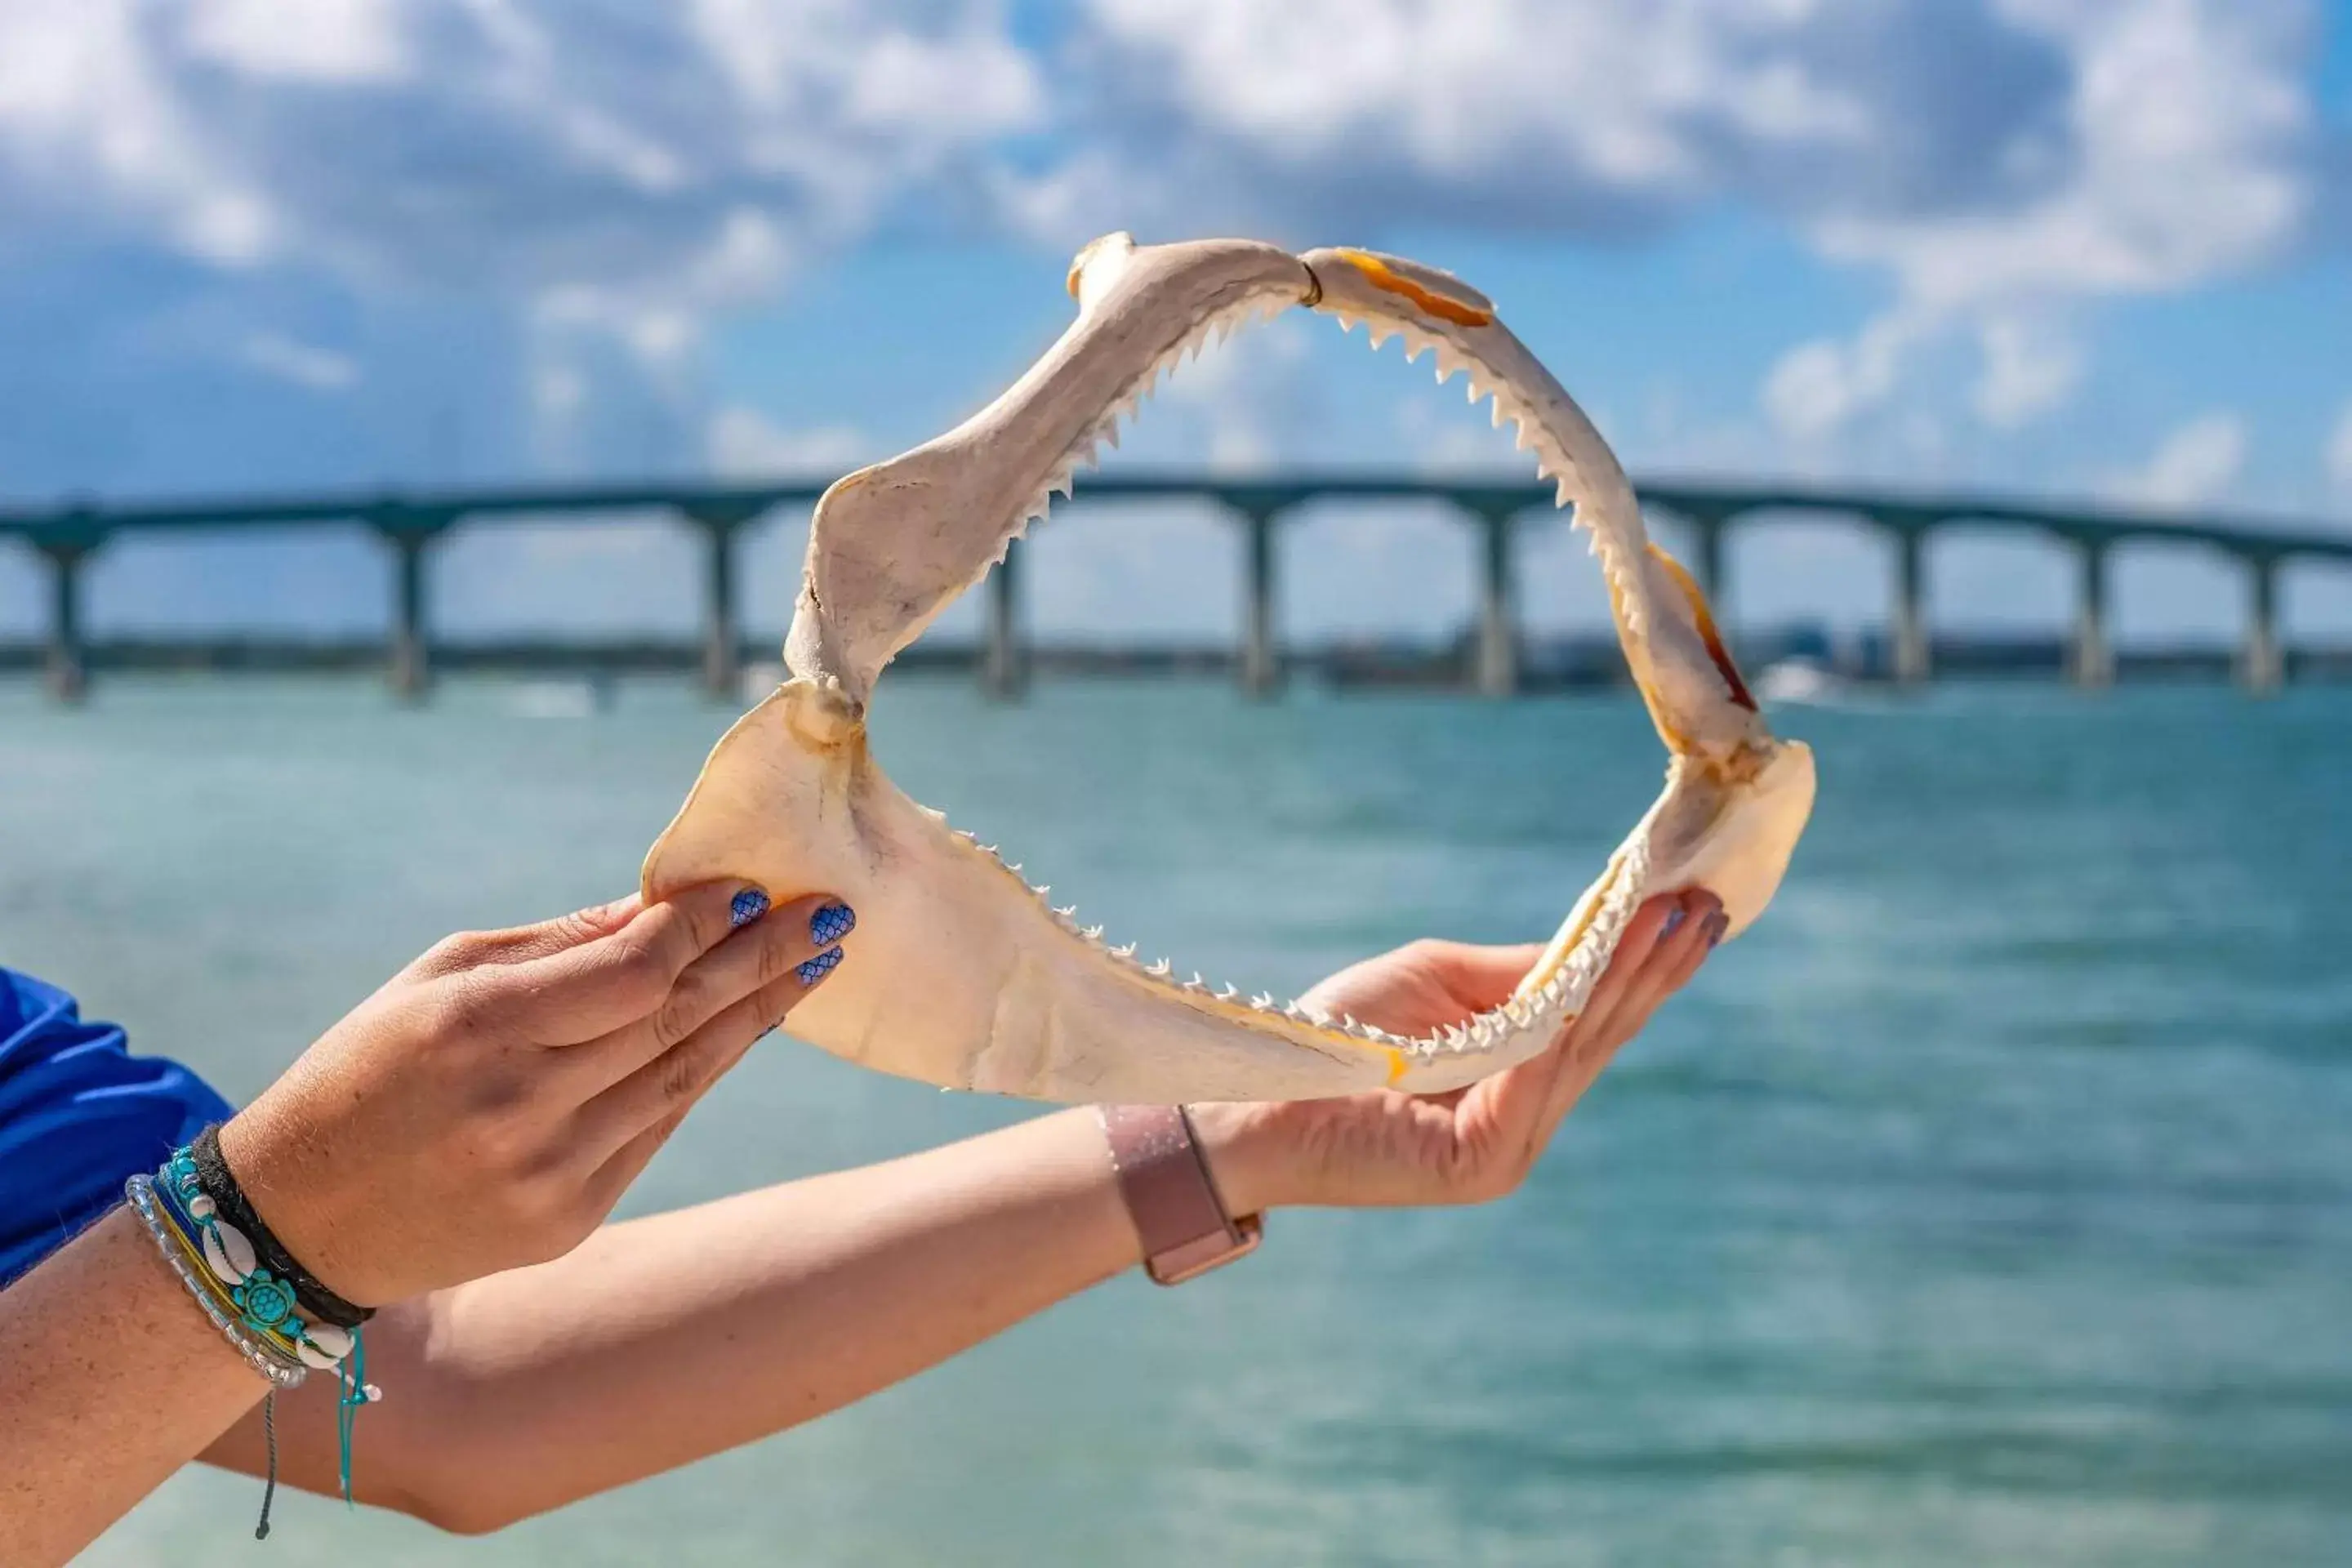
(2083,249)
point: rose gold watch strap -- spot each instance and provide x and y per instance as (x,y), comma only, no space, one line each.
(1170,1195)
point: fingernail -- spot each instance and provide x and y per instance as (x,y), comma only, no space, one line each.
(1716,924)
(822,964)
(1674,923)
(831,923)
(749,905)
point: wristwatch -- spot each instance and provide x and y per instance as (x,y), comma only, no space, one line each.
(1170,1195)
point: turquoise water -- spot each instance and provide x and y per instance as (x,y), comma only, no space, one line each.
(1991,1203)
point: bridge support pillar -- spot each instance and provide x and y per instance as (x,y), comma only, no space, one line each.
(1261,650)
(1908,624)
(2091,661)
(66,666)
(1707,564)
(1005,665)
(411,534)
(1497,670)
(723,637)
(2261,665)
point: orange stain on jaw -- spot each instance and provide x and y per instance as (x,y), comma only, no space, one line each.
(1384,277)
(1707,630)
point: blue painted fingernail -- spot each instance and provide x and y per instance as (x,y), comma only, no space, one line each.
(822,964)
(831,923)
(749,905)
(1674,923)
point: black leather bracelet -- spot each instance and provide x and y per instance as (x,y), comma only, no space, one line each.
(220,1184)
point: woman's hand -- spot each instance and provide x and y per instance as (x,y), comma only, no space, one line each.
(1472,1145)
(488,1107)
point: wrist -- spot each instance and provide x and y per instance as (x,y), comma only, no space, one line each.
(254,1148)
(1253,1160)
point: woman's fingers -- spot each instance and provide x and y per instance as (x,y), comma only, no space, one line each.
(1670,967)
(587,991)
(1636,983)
(623,1126)
(790,948)
(1520,1098)
(1658,919)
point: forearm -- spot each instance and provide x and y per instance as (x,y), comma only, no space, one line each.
(112,1378)
(667,1339)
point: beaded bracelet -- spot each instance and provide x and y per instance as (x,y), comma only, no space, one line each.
(188,1261)
(259,1311)
(264,1301)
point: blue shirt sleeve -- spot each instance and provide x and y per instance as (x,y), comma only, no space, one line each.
(79,1115)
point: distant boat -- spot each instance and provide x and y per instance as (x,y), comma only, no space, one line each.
(1799,680)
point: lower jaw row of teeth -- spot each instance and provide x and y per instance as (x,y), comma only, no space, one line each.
(1480,1033)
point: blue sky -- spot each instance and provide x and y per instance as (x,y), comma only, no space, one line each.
(2094,248)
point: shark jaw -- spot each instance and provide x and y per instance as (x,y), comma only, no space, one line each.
(967,976)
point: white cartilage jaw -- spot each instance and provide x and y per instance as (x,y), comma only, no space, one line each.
(1047,1006)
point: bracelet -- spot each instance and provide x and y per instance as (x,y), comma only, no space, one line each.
(259,1311)
(189,1263)
(238,1282)
(212,1175)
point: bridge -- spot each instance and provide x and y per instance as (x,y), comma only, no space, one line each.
(411,523)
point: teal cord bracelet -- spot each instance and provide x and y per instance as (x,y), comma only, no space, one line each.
(354,1390)
(260,1313)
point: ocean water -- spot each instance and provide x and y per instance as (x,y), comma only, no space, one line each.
(1990,1203)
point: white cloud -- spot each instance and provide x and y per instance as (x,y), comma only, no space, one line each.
(614,179)
(1819,387)
(2339,453)
(531,150)
(594,184)
(745,443)
(2000,164)
(2196,464)
(2030,368)
(323,41)
(304,364)
(87,119)
(1544,108)
(2184,120)
(2185,158)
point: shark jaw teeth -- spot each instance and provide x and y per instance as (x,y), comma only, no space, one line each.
(1486,384)
(1086,452)
(1547,1008)
(1550,1004)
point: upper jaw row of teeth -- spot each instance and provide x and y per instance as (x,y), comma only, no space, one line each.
(1551,461)
(1480,1034)
(1087,450)
(1484,384)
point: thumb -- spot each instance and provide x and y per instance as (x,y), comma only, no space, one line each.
(1481,978)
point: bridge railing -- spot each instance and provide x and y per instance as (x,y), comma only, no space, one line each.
(412,525)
